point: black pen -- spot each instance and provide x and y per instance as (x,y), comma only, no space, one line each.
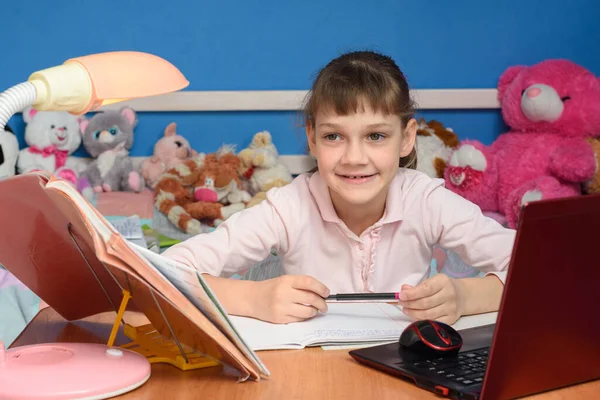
(363,296)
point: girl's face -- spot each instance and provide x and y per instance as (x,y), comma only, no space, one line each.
(358,154)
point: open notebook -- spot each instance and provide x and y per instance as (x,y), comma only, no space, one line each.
(66,252)
(343,324)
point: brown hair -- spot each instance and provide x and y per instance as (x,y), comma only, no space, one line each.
(362,76)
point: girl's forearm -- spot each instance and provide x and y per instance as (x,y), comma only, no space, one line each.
(236,296)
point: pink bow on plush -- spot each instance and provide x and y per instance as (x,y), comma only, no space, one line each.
(60,156)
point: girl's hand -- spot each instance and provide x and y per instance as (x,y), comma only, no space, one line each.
(438,298)
(289,298)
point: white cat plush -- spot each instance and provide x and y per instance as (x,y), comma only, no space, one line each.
(51,136)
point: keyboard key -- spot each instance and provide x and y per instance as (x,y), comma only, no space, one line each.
(467,382)
(447,364)
(478,380)
(473,376)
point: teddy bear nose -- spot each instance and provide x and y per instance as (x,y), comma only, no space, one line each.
(533,92)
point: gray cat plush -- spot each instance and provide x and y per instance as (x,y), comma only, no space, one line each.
(107,137)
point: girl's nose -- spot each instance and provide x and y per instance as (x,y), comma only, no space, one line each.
(355,154)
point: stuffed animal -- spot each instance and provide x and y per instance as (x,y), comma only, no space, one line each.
(551,108)
(51,136)
(435,143)
(9,152)
(107,137)
(593,185)
(260,167)
(169,151)
(201,190)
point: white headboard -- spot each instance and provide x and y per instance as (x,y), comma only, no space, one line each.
(292,100)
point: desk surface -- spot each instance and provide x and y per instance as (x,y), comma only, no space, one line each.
(308,373)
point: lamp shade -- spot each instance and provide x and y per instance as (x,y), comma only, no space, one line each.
(122,75)
(85,83)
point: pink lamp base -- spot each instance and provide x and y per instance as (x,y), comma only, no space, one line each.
(70,371)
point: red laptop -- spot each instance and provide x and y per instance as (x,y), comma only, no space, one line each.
(547,334)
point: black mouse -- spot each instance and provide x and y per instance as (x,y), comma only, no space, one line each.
(429,337)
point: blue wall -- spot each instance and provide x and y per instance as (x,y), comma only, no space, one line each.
(266,45)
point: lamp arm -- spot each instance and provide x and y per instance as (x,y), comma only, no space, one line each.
(15,99)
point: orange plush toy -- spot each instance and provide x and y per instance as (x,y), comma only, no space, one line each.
(202,190)
(593,185)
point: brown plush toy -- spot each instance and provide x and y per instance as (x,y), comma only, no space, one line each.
(593,186)
(203,190)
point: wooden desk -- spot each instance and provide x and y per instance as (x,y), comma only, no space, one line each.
(296,374)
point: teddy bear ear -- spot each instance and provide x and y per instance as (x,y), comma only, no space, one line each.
(507,78)
(29,113)
(171,129)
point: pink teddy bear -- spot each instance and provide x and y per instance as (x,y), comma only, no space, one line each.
(169,151)
(551,107)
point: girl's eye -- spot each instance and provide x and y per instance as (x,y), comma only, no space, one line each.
(113,131)
(376,136)
(97,135)
(332,136)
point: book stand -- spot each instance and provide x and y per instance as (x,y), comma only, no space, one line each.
(92,370)
(146,340)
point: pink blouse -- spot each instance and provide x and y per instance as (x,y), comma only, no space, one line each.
(300,223)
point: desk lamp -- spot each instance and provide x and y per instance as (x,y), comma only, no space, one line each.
(80,370)
(86,83)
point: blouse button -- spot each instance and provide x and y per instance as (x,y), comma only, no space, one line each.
(361,246)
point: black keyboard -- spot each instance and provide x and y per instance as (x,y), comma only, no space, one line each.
(466,368)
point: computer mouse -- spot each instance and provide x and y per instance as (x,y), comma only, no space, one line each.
(429,337)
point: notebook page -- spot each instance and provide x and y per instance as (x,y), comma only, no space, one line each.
(466,322)
(471,321)
(342,323)
(262,335)
(358,323)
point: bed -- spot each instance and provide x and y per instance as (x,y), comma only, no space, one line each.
(18,304)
